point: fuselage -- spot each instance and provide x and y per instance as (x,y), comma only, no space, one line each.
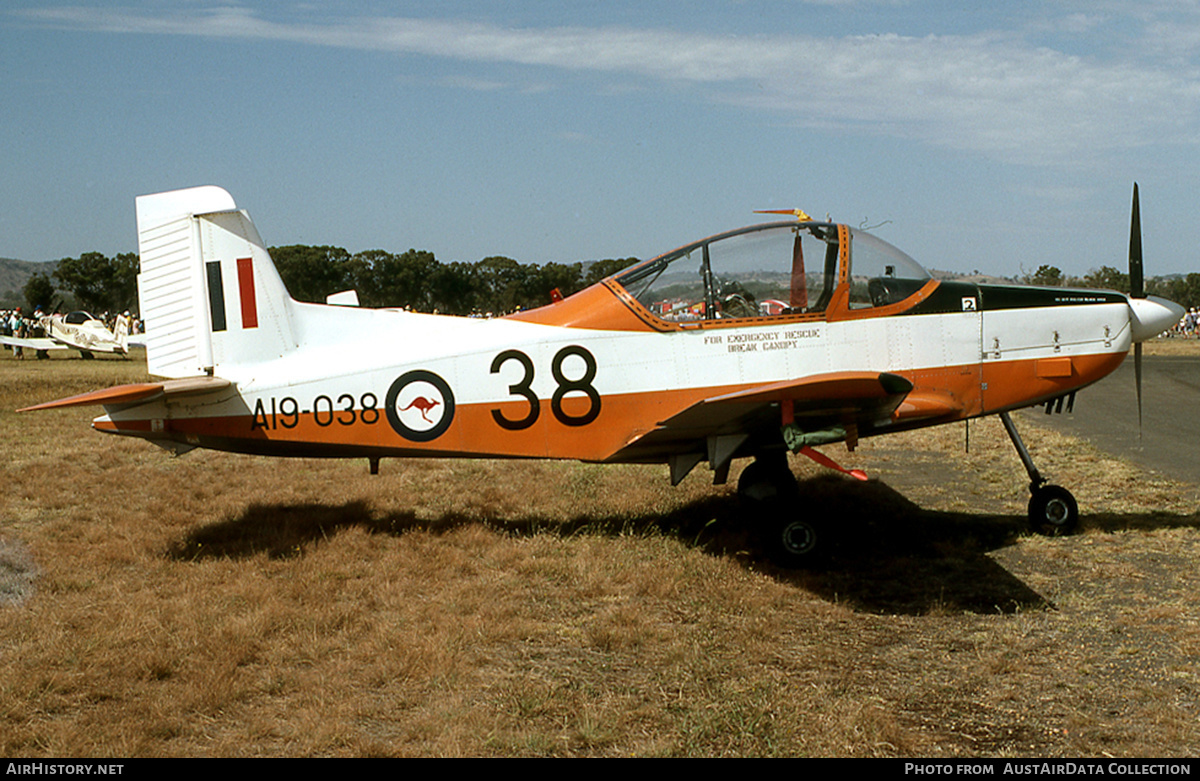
(83,332)
(595,376)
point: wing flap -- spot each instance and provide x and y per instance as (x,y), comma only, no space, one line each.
(927,404)
(866,397)
(834,389)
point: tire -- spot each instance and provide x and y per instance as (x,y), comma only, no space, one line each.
(797,543)
(768,491)
(764,481)
(1053,511)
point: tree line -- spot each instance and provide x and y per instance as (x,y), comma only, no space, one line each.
(416,280)
(413,280)
(1183,290)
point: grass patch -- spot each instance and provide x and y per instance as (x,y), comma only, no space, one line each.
(218,604)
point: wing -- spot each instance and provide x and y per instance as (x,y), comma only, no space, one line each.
(716,427)
(35,343)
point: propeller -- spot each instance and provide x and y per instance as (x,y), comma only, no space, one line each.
(1137,289)
(1148,315)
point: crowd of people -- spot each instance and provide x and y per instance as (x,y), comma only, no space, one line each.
(1189,325)
(13,322)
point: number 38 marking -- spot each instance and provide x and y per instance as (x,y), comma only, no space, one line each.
(524,388)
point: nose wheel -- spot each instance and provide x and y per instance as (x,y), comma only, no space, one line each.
(1052,509)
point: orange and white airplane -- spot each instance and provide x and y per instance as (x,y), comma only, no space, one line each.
(749,344)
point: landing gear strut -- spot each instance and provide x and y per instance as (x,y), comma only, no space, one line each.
(1052,509)
(768,489)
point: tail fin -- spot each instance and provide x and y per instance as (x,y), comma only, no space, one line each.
(210,295)
(121,332)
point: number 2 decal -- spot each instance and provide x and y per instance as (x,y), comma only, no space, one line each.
(524,388)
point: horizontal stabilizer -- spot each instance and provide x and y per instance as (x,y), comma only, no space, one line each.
(344,298)
(141,391)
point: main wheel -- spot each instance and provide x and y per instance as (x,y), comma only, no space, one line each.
(1053,511)
(766,480)
(796,542)
(768,491)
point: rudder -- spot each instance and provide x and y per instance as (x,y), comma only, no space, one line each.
(209,294)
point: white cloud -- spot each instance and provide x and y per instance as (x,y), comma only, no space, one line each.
(476,84)
(991,93)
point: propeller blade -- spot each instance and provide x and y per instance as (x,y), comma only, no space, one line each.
(1137,379)
(1137,288)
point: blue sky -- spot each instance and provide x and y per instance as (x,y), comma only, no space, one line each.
(996,139)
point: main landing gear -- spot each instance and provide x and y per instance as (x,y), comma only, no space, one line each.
(1052,509)
(767,488)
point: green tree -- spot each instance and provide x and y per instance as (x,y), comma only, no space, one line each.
(1191,291)
(1049,276)
(312,273)
(125,293)
(363,276)
(100,283)
(606,268)
(454,288)
(567,279)
(39,291)
(503,284)
(403,280)
(1184,291)
(1107,278)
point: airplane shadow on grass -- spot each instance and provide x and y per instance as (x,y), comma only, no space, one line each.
(886,554)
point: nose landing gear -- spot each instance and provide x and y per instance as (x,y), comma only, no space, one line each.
(1052,509)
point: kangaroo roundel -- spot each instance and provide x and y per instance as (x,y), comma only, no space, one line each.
(420,406)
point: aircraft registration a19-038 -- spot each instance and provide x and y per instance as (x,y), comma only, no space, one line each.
(772,338)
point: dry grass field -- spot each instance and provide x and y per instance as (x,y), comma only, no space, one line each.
(225,605)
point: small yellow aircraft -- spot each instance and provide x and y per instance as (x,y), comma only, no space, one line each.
(752,343)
